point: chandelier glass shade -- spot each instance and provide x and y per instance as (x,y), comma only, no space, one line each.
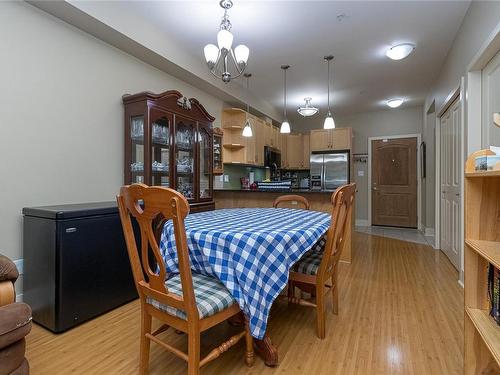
(220,58)
(308,109)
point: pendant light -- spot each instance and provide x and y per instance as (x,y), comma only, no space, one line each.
(329,122)
(285,126)
(247,130)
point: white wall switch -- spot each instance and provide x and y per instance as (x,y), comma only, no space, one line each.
(361,173)
(226,178)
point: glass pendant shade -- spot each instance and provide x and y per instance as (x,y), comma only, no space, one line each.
(329,122)
(247,130)
(241,53)
(285,127)
(211,53)
(224,39)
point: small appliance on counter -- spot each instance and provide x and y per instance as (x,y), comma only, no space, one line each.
(245,183)
(272,160)
(304,183)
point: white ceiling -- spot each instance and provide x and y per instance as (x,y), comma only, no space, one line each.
(300,33)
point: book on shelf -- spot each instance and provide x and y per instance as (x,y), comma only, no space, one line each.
(494,292)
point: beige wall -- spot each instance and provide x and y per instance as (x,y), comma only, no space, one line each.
(480,20)
(61,114)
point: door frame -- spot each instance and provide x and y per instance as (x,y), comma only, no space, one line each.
(457,93)
(419,182)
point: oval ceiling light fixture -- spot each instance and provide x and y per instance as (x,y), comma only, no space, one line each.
(394,102)
(400,51)
(308,110)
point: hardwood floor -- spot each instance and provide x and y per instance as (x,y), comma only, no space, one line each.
(401,312)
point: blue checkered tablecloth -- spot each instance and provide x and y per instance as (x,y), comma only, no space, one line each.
(251,250)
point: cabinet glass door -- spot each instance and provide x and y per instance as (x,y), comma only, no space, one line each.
(137,149)
(160,148)
(206,169)
(184,157)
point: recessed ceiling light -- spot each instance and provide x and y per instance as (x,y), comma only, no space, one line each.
(395,102)
(400,51)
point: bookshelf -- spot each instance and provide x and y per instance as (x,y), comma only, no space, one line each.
(482,246)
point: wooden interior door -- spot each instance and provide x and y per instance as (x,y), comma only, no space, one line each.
(394,182)
(451,164)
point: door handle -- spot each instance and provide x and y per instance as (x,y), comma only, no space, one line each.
(374,188)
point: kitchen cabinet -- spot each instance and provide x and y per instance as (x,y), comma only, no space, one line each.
(258,132)
(271,135)
(218,152)
(334,139)
(306,144)
(284,150)
(295,156)
(169,142)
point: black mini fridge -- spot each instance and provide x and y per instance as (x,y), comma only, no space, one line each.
(76,264)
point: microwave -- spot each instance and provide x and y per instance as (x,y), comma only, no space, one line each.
(272,157)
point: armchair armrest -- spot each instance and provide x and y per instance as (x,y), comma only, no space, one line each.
(15,323)
(8,270)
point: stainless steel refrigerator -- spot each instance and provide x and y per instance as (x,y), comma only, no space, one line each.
(329,170)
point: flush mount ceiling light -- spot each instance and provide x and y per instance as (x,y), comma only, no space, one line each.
(400,51)
(285,126)
(395,102)
(218,58)
(329,122)
(308,110)
(247,130)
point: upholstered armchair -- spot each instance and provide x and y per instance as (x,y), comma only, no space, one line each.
(15,323)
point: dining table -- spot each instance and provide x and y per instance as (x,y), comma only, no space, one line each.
(251,251)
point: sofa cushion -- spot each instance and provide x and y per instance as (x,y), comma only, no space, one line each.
(24,369)
(210,294)
(15,323)
(12,357)
(8,270)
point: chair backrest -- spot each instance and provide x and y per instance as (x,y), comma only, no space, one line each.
(342,202)
(291,198)
(146,205)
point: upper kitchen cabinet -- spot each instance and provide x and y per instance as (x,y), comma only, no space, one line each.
(306,143)
(169,142)
(334,139)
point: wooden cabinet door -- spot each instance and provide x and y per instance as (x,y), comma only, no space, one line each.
(275,134)
(267,134)
(340,139)
(320,140)
(284,150)
(294,154)
(259,135)
(250,150)
(394,182)
(306,139)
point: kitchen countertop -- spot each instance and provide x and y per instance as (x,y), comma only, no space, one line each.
(302,191)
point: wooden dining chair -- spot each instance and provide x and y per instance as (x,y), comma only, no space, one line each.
(188,302)
(291,198)
(319,265)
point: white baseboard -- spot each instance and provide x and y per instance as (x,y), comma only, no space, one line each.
(20,265)
(361,222)
(429,232)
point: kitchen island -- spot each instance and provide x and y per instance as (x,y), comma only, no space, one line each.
(318,200)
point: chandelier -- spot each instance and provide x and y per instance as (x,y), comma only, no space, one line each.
(308,110)
(219,58)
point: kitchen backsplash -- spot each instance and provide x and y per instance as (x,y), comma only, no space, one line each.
(234,173)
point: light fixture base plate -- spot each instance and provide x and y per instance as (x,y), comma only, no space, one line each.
(226,4)
(285,67)
(328,58)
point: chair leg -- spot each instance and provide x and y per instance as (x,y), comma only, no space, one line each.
(320,313)
(291,290)
(146,321)
(194,353)
(249,353)
(335,297)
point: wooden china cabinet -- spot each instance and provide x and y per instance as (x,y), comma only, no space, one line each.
(169,142)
